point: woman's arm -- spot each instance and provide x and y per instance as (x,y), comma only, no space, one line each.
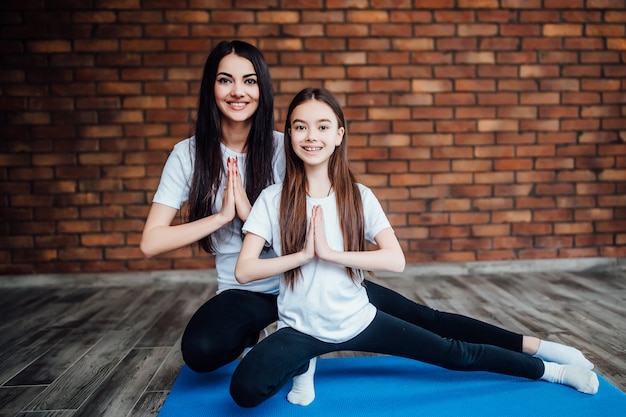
(251,268)
(388,257)
(159,236)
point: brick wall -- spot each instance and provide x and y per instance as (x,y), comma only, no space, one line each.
(489,129)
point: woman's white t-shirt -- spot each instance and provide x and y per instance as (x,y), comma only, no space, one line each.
(325,302)
(173,191)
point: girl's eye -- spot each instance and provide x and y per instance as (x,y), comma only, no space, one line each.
(324,127)
(299,127)
(223,80)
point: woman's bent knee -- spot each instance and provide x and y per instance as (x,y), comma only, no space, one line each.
(243,394)
(203,357)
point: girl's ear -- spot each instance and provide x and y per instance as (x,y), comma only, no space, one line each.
(340,133)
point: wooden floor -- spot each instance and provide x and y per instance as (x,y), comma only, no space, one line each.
(110,346)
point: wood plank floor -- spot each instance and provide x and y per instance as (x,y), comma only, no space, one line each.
(109,346)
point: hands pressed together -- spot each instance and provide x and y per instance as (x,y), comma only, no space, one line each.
(236,200)
(316,243)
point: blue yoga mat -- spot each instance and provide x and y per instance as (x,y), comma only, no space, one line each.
(391,386)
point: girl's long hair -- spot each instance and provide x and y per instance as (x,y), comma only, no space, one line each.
(208,169)
(293,216)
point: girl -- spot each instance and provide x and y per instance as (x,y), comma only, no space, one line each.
(323,305)
(219,172)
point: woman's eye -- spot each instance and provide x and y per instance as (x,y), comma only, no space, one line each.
(223,80)
(251,81)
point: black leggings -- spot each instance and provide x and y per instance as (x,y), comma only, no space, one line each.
(231,321)
(285,354)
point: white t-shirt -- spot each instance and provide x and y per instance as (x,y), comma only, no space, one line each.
(325,302)
(173,191)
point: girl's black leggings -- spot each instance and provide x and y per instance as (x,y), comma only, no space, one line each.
(285,354)
(231,321)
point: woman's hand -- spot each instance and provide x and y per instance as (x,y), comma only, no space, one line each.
(242,203)
(229,209)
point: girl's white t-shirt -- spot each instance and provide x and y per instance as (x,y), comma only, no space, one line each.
(173,191)
(325,302)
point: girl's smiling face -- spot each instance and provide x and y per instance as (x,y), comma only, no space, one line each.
(236,88)
(315,132)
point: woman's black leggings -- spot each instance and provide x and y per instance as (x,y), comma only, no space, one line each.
(285,354)
(229,322)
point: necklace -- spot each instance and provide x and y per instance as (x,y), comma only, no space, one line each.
(327,194)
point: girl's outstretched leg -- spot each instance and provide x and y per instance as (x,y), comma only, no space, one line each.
(390,335)
(467,329)
(448,325)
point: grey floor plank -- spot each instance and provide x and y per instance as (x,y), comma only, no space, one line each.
(169,370)
(149,404)
(25,351)
(14,399)
(61,356)
(72,388)
(121,391)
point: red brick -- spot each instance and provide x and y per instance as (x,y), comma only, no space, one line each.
(540,125)
(473,191)
(494,231)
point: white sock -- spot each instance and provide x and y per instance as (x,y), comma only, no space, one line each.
(581,379)
(303,390)
(562,354)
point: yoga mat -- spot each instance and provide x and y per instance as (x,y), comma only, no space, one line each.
(390,386)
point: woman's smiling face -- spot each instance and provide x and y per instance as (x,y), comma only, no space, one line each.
(236,88)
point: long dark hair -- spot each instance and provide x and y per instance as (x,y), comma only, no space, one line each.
(292,215)
(208,165)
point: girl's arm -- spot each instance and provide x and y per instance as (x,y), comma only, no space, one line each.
(387,257)
(251,268)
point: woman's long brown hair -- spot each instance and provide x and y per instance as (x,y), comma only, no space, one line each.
(292,215)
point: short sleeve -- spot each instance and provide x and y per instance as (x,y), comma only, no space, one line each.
(263,211)
(173,189)
(375,218)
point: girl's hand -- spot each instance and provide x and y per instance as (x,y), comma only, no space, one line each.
(309,248)
(242,203)
(228,209)
(322,249)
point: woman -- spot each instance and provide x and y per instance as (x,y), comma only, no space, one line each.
(219,172)
(322,305)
